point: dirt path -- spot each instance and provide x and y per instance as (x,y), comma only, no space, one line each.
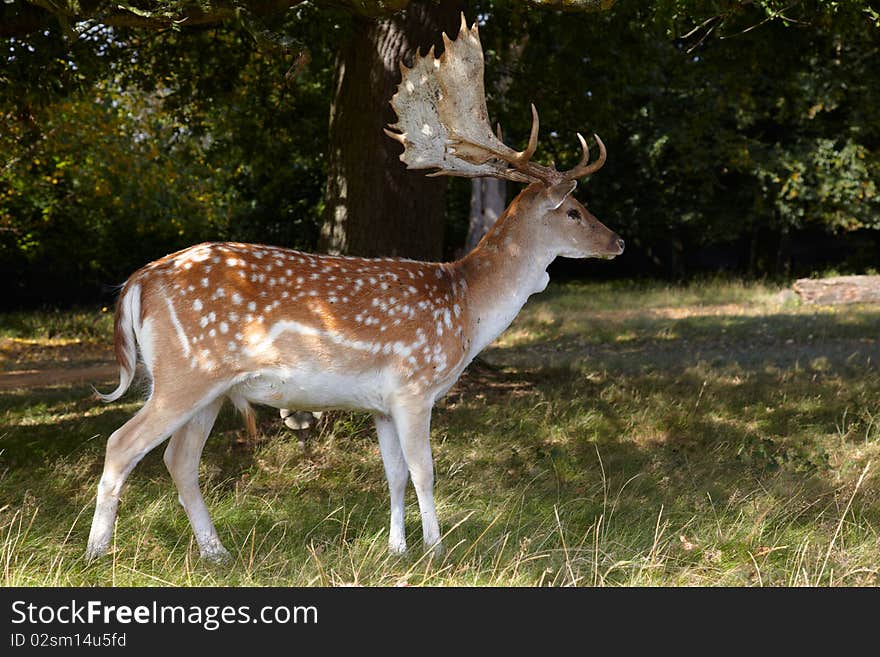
(45,362)
(41,378)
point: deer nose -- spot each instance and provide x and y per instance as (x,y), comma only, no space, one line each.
(620,244)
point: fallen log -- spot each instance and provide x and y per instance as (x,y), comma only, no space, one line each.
(838,290)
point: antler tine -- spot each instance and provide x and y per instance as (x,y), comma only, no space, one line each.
(401,139)
(582,168)
(585,150)
(523,157)
(446,41)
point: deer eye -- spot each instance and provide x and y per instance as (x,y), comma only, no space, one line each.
(574,214)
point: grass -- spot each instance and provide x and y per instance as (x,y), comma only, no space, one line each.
(55,339)
(617,434)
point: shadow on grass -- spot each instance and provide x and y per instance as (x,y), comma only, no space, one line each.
(783,341)
(738,444)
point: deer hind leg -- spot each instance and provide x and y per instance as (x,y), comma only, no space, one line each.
(182,458)
(156,420)
(413,424)
(396,473)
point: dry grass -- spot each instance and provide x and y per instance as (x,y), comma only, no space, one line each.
(716,434)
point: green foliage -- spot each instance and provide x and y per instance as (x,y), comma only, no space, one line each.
(262,115)
(825,182)
(764,124)
(105,186)
(727,123)
(182,138)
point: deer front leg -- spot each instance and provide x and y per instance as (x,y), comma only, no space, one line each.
(396,473)
(413,424)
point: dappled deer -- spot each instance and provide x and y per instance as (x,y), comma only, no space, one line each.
(266,325)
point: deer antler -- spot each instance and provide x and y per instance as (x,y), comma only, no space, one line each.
(443,122)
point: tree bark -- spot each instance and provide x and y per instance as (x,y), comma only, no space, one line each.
(488,201)
(374,206)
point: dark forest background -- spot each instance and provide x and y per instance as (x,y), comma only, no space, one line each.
(742,137)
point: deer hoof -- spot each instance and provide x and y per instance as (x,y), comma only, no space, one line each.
(217,556)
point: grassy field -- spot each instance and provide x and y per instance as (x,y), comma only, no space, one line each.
(617,434)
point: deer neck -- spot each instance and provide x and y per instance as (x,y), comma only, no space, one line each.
(502,272)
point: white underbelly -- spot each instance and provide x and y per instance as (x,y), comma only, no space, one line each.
(314,390)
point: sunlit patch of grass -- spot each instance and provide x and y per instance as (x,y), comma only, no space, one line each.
(54,339)
(718,444)
(87,324)
(645,296)
(596,314)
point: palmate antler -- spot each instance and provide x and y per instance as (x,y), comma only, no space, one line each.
(443,123)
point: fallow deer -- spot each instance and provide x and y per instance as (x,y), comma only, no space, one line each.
(267,325)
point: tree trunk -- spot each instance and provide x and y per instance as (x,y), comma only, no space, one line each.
(783,253)
(488,200)
(374,206)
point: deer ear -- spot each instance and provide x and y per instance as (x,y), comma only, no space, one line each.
(557,194)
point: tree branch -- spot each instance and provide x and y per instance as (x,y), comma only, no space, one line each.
(21,18)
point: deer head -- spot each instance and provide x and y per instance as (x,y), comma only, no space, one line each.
(443,124)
